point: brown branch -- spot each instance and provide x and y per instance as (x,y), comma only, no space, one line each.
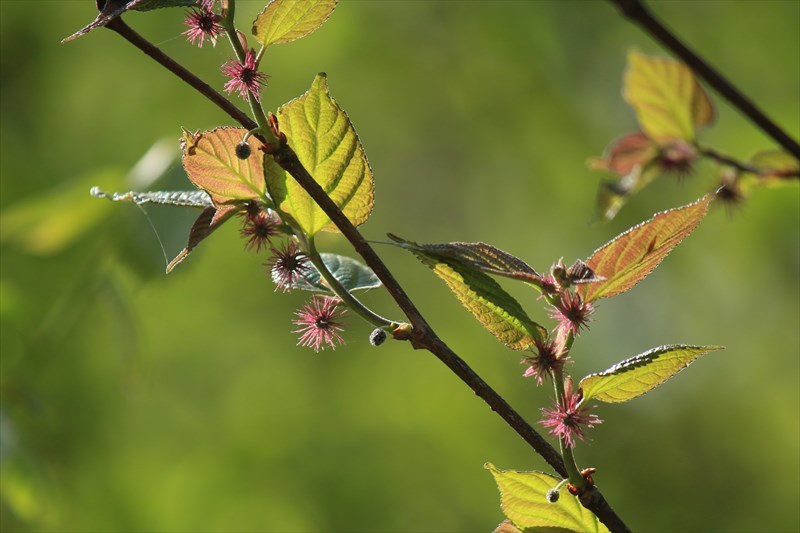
(422,337)
(636,11)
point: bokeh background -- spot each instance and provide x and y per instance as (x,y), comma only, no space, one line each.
(137,401)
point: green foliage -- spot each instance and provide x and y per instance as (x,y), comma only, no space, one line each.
(639,374)
(630,257)
(669,102)
(284,21)
(352,274)
(211,164)
(327,145)
(523,500)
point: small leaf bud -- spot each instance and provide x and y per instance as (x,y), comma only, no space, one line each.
(243,150)
(377,337)
(552,496)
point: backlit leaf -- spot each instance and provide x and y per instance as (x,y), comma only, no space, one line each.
(284,21)
(631,256)
(198,199)
(613,194)
(211,164)
(625,154)
(637,375)
(209,220)
(523,500)
(669,102)
(114,8)
(352,274)
(327,145)
(495,309)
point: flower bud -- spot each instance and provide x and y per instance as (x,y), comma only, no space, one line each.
(377,337)
(243,150)
(552,496)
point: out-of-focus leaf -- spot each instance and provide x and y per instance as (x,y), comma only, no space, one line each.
(211,164)
(51,222)
(625,154)
(327,145)
(774,165)
(639,374)
(495,309)
(477,255)
(284,21)
(523,500)
(612,195)
(352,274)
(631,256)
(669,102)
(112,9)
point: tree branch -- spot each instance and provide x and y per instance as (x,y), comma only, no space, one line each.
(636,11)
(422,336)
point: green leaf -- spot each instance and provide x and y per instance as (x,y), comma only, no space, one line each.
(327,145)
(284,21)
(625,154)
(211,164)
(612,195)
(352,274)
(477,255)
(495,309)
(669,102)
(637,375)
(114,8)
(197,199)
(630,257)
(523,500)
(209,220)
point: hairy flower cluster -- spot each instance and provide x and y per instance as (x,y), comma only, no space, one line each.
(288,263)
(245,76)
(259,227)
(547,360)
(567,417)
(203,24)
(571,312)
(319,325)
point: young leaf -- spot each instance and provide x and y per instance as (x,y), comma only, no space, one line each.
(212,165)
(625,154)
(523,500)
(669,102)
(198,199)
(631,256)
(478,255)
(114,8)
(327,145)
(284,21)
(637,375)
(495,309)
(209,220)
(352,274)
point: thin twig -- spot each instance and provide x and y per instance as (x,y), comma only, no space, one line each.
(423,336)
(636,11)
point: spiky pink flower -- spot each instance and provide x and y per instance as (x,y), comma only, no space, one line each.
(258,227)
(571,312)
(287,265)
(547,360)
(566,419)
(203,23)
(677,159)
(244,76)
(319,323)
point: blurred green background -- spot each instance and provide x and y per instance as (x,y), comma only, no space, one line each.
(137,401)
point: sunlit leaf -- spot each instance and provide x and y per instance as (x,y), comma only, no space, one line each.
(776,164)
(198,199)
(669,102)
(114,8)
(211,164)
(625,154)
(478,255)
(352,274)
(637,375)
(631,256)
(327,145)
(284,21)
(495,309)
(209,220)
(523,500)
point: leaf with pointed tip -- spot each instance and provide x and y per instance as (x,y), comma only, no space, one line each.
(352,274)
(637,375)
(284,21)
(669,102)
(212,165)
(478,255)
(523,500)
(629,257)
(114,8)
(626,153)
(209,220)
(495,309)
(198,199)
(327,145)
(613,194)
